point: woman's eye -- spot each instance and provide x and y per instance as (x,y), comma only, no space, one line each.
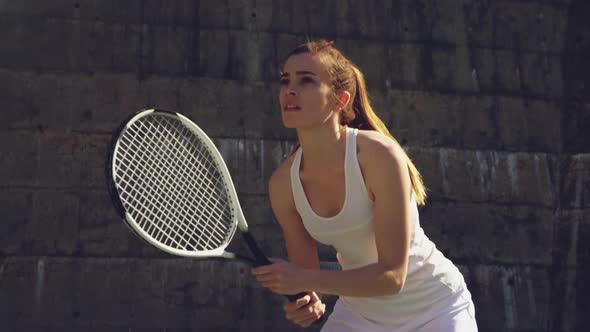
(306,80)
(284,82)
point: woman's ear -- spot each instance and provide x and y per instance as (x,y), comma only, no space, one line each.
(343,99)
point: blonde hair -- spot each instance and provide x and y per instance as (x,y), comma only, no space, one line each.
(346,76)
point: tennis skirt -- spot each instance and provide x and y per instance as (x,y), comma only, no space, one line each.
(459,316)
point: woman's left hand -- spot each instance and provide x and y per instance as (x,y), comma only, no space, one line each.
(281,277)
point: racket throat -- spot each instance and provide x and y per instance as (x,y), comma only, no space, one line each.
(259,257)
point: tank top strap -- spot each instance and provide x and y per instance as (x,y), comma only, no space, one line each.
(355,177)
(296,187)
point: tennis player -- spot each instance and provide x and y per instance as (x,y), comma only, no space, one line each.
(348,183)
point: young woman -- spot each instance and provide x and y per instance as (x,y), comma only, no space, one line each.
(349,184)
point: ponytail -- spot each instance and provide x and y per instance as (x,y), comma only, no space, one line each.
(365,118)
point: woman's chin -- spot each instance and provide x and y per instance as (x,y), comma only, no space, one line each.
(300,123)
(291,123)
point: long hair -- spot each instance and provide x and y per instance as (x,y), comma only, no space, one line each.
(346,76)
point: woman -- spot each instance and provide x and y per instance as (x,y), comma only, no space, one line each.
(349,184)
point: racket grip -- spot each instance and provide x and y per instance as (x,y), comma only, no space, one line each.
(297,296)
(294,297)
(259,257)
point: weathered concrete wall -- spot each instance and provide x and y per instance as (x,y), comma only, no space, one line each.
(491,99)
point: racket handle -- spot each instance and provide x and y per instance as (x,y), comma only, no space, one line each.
(261,259)
(297,296)
(294,297)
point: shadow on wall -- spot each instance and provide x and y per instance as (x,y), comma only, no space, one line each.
(570,307)
(576,79)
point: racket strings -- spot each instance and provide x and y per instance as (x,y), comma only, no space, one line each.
(219,210)
(211,173)
(182,201)
(168,198)
(214,205)
(171,167)
(170,179)
(208,167)
(134,197)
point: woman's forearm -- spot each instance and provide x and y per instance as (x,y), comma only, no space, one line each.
(371,280)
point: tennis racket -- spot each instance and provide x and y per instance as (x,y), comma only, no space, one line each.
(171,186)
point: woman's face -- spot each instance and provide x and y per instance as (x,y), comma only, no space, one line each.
(305,96)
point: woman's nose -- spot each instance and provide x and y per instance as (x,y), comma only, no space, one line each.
(291,92)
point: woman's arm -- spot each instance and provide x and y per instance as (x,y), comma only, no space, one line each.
(388,182)
(301,247)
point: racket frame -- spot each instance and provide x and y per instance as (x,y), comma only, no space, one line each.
(239,221)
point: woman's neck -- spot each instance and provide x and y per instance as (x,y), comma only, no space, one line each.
(323,146)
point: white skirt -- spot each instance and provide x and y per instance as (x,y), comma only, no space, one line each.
(459,316)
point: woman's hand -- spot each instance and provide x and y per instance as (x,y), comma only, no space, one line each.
(281,277)
(306,310)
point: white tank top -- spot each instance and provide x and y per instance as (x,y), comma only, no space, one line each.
(432,279)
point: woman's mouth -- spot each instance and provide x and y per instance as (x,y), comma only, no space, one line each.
(291,108)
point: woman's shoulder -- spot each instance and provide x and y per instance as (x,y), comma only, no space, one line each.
(381,160)
(281,176)
(279,187)
(372,144)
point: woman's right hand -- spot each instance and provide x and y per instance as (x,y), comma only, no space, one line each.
(306,310)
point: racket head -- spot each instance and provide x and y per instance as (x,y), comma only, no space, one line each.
(169,183)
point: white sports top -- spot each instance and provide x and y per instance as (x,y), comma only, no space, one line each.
(432,280)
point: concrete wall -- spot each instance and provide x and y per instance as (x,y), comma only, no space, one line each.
(490,98)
